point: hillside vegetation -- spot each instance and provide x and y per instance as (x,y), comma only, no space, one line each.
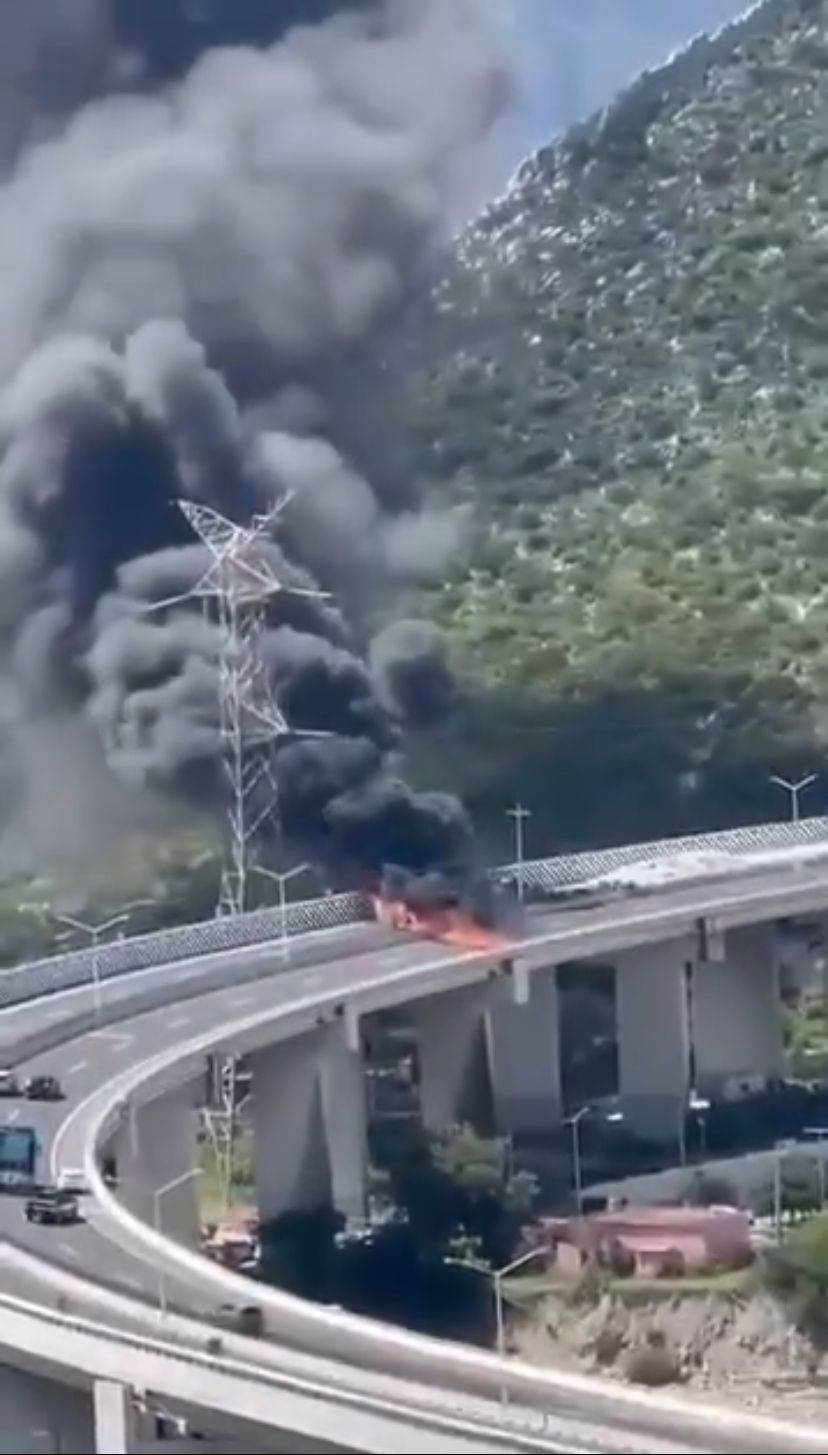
(631,401)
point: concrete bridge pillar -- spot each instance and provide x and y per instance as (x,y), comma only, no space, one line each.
(525,1055)
(345,1113)
(155,1149)
(310,1124)
(454,1058)
(114,1424)
(653,1037)
(737,1012)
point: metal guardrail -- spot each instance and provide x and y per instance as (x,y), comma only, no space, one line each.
(498,1424)
(184,942)
(544,876)
(540,876)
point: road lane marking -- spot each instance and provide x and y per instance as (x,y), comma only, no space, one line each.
(80,1066)
(14,1115)
(183,1020)
(119,1040)
(70,1252)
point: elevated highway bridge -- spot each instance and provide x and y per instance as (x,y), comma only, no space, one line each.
(81,1305)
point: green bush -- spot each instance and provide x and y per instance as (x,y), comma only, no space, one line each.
(654,1366)
(620,1260)
(590,1287)
(673,1264)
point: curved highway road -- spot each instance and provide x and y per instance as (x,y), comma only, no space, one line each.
(103,1251)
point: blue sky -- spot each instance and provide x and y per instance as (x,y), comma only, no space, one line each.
(573,55)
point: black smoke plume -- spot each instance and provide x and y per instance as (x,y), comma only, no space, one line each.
(199,273)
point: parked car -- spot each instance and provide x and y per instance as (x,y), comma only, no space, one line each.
(9,1084)
(44,1088)
(51,1205)
(72,1179)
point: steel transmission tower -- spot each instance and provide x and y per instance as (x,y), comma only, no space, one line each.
(242,584)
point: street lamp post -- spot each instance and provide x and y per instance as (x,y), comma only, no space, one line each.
(701,1106)
(282,881)
(157,1198)
(498,1277)
(781,1149)
(519,814)
(795,790)
(821,1134)
(96,932)
(577,1170)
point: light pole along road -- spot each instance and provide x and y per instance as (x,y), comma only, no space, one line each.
(157,1200)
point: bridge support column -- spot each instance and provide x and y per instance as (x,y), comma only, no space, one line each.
(525,1055)
(653,1038)
(310,1125)
(345,1109)
(113,1418)
(737,1012)
(155,1149)
(455,1071)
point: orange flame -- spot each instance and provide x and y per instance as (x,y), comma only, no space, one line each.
(449,926)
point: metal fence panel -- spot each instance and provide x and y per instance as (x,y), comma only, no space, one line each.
(183,942)
(568,870)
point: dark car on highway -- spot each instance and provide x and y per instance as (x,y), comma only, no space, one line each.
(44,1088)
(50,1205)
(9,1084)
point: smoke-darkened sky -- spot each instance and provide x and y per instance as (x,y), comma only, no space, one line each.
(197,286)
(570,55)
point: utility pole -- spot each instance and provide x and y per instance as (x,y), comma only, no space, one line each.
(241,584)
(795,790)
(520,815)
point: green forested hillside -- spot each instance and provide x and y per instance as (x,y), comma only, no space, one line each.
(630,395)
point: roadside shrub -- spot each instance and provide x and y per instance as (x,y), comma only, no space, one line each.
(620,1260)
(709,1190)
(653,1365)
(590,1287)
(673,1264)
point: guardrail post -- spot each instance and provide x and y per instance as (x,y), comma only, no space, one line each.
(113,1418)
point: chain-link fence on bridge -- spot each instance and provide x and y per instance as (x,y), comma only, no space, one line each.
(540,876)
